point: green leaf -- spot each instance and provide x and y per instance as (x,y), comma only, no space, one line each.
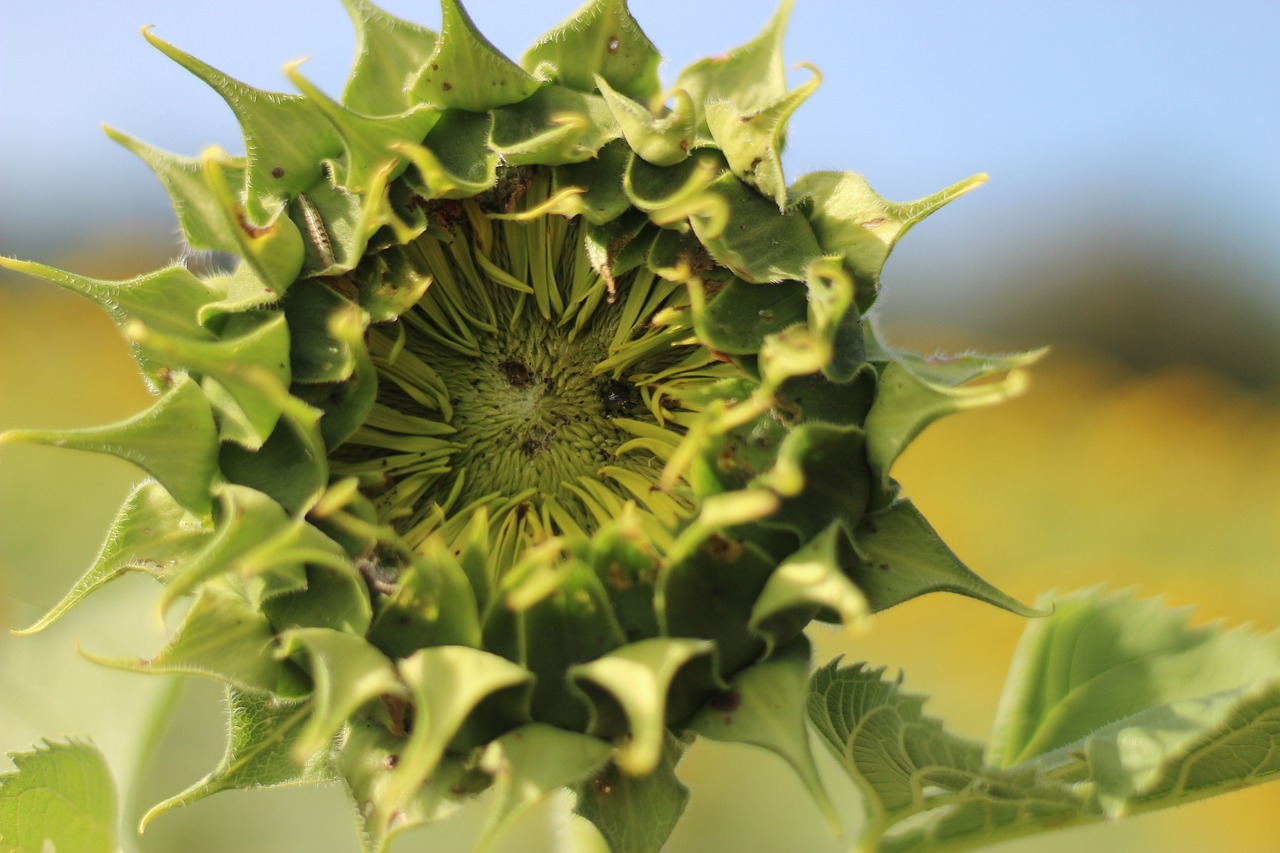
(174,441)
(61,797)
(635,814)
(851,220)
(151,533)
(1112,707)
(262,739)
(600,39)
(553,126)
(466,72)
(529,765)
(1100,659)
(900,557)
(763,708)
(906,764)
(389,53)
(366,762)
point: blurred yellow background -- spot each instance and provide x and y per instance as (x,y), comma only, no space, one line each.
(1166,480)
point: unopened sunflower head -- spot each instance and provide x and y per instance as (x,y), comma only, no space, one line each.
(538,412)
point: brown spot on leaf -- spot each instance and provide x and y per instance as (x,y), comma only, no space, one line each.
(613,44)
(729,700)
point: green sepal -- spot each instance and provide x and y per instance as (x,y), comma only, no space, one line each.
(750,236)
(369,162)
(763,707)
(752,139)
(914,391)
(346,673)
(433,606)
(151,533)
(635,813)
(168,300)
(185,179)
(656,189)
(454,161)
(628,568)
(663,140)
(809,583)
(292,465)
(751,76)
(600,181)
(709,591)
(388,285)
(272,253)
(448,685)
(822,477)
(262,736)
(618,246)
(366,761)
(344,405)
(834,317)
(899,556)
(552,127)
(466,72)
(224,638)
(528,765)
(59,797)
(816,398)
(253,535)
(286,137)
(389,54)
(316,354)
(251,356)
(331,598)
(736,318)
(851,220)
(550,613)
(602,40)
(628,689)
(175,441)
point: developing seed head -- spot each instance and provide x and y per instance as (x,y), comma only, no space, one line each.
(534,413)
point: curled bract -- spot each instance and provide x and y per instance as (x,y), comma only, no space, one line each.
(537,416)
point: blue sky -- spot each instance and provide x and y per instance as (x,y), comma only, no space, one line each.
(1137,121)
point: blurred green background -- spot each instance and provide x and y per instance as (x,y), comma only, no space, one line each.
(1133,151)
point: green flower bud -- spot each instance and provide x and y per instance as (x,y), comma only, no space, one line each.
(535,422)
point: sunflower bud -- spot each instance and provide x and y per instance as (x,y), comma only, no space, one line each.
(535,422)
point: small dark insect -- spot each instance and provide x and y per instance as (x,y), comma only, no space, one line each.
(618,398)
